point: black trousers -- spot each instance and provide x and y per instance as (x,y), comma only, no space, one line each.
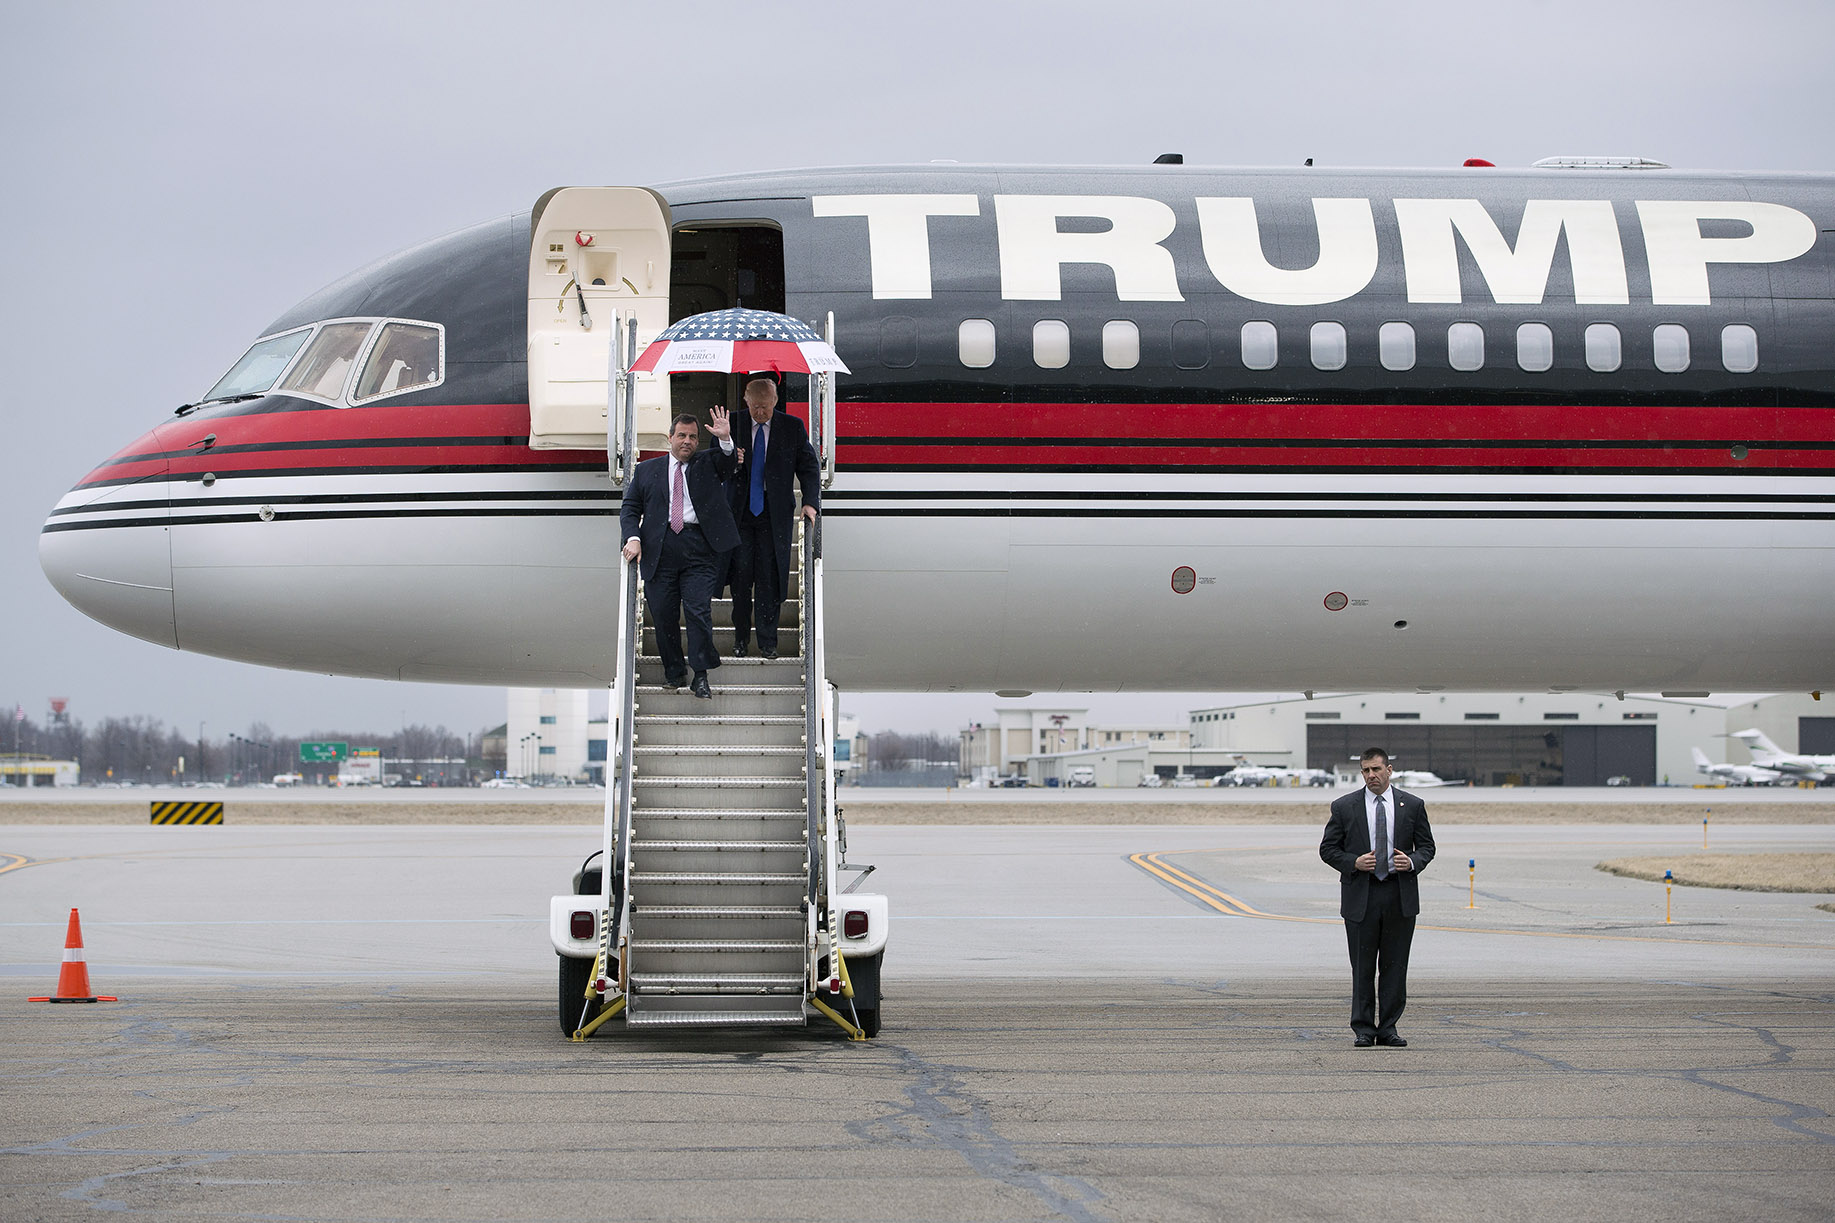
(756,592)
(1379,960)
(684,586)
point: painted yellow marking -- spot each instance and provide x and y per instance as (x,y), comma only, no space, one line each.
(1156,865)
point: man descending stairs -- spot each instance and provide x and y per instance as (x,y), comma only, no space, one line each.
(720,858)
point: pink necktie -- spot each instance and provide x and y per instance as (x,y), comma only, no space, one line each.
(677,494)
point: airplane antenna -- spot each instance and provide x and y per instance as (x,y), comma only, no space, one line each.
(1169,159)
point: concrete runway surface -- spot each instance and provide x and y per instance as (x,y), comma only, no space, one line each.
(358,1023)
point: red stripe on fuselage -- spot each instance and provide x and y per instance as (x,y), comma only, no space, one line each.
(430,435)
(971,435)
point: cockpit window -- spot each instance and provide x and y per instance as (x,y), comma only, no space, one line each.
(259,366)
(325,367)
(405,356)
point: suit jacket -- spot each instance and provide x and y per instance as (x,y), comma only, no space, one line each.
(789,460)
(645,510)
(1347,838)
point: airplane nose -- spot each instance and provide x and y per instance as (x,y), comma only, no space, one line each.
(106,545)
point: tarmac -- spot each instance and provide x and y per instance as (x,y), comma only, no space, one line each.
(1086,1022)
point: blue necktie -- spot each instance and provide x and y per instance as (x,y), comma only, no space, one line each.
(758,470)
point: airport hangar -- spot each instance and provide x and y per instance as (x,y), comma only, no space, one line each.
(1487,739)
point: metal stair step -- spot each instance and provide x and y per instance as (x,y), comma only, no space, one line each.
(769,912)
(714,749)
(749,689)
(795,783)
(766,946)
(719,983)
(714,876)
(642,846)
(713,1019)
(723,814)
(720,720)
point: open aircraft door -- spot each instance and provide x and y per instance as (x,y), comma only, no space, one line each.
(596,255)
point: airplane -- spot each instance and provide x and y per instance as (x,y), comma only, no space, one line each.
(1769,755)
(1151,428)
(1418,779)
(1273,774)
(1735,774)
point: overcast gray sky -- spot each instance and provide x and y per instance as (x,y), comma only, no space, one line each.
(178,174)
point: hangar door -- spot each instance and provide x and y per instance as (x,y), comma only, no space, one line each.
(1591,754)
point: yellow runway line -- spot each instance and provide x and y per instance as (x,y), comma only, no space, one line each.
(1155,864)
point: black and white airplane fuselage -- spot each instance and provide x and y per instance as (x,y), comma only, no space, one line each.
(1106,428)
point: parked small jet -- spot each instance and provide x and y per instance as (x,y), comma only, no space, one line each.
(1735,774)
(1769,755)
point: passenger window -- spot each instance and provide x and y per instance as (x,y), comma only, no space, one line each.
(1121,344)
(259,366)
(1191,344)
(1050,344)
(1258,345)
(325,367)
(1328,346)
(406,357)
(1465,347)
(1395,345)
(1604,349)
(1535,347)
(1669,345)
(975,343)
(1739,348)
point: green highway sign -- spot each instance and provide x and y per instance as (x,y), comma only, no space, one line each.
(323,753)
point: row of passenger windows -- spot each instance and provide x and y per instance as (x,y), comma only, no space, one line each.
(1329,346)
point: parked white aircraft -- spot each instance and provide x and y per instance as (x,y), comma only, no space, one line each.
(1769,755)
(1462,446)
(1418,779)
(1735,774)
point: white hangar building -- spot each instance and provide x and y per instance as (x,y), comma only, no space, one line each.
(1488,739)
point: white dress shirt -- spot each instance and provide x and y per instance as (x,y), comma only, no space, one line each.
(688,514)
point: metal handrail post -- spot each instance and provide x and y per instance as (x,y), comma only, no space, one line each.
(828,411)
(617,842)
(812,552)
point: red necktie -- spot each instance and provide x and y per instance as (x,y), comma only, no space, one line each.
(677,496)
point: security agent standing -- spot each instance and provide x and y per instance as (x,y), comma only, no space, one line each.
(676,521)
(1378,840)
(778,458)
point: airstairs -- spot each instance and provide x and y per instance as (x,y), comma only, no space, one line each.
(722,843)
(724,906)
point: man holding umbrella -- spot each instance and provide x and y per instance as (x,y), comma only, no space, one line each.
(764,508)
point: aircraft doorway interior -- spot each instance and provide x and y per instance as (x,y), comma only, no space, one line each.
(717,268)
(1498,755)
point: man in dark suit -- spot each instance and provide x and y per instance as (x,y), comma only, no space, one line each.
(676,521)
(764,505)
(1378,840)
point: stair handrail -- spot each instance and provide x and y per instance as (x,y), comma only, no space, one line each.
(814,726)
(622,463)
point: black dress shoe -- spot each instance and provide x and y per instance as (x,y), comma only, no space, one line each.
(1364,1042)
(677,682)
(769,653)
(700,688)
(1393,1041)
(740,650)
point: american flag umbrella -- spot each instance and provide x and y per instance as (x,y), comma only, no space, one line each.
(739,341)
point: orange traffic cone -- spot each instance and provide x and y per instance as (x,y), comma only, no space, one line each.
(73,978)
